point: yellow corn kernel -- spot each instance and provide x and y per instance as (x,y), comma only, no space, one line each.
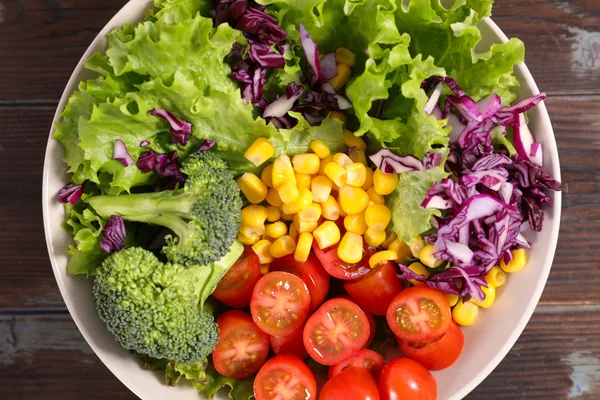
(336,173)
(420,269)
(384,184)
(252,187)
(338,115)
(327,234)
(254,216)
(342,77)
(320,186)
(353,199)
(355,223)
(267,175)
(374,238)
(250,232)
(354,142)
(342,212)
(324,163)
(248,241)
(306,163)
(401,248)
(288,192)
(259,151)
(276,229)
(452,299)
(490,296)
(303,180)
(356,174)
(416,245)
(283,172)
(287,217)
(311,214)
(273,198)
(389,238)
(369,181)
(305,199)
(465,314)
(375,197)
(303,248)
(359,156)
(282,247)
(426,256)
(305,226)
(496,277)
(319,148)
(377,216)
(351,248)
(261,248)
(382,256)
(342,159)
(330,209)
(345,56)
(273,214)
(293,232)
(264,269)
(517,263)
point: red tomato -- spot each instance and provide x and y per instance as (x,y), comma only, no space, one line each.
(242,347)
(338,329)
(439,354)
(341,269)
(353,383)
(403,378)
(285,377)
(235,288)
(290,344)
(280,303)
(372,325)
(311,272)
(375,291)
(419,314)
(365,358)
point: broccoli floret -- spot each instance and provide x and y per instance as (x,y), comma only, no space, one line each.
(204,215)
(152,308)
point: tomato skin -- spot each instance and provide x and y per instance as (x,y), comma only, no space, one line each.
(370,360)
(375,291)
(284,364)
(235,288)
(292,344)
(311,272)
(348,321)
(341,269)
(353,383)
(372,324)
(280,303)
(403,378)
(237,328)
(439,354)
(428,306)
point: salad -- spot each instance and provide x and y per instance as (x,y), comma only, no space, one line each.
(268,194)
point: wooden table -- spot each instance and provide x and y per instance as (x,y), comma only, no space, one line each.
(42,354)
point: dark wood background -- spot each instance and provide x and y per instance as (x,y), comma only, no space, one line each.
(42,354)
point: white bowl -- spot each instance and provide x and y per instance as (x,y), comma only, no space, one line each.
(486,343)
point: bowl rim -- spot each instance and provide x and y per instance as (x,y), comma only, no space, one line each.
(473,382)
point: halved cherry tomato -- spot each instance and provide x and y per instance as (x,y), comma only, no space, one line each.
(340,269)
(419,314)
(403,378)
(311,272)
(280,303)
(338,329)
(235,288)
(438,354)
(285,377)
(290,344)
(372,325)
(372,361)
(242,347)
(353,383)
(375,291)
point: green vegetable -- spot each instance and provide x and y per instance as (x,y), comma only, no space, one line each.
(150,307)
(204,215)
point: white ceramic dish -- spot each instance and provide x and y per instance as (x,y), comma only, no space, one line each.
(486,343)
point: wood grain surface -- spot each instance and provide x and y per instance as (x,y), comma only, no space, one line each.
(42,354)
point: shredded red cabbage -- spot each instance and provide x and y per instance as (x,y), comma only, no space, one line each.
(121,154)
(113,234)
(70,193)
(391,163)
(147,161)
(206,145)
(180,130)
